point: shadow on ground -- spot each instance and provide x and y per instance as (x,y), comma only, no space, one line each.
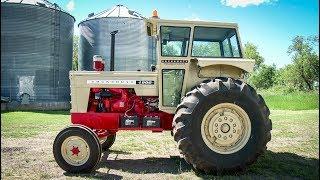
(271,164)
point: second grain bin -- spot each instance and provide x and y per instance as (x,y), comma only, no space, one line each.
(134,50)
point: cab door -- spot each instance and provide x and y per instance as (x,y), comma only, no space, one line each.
(173,52)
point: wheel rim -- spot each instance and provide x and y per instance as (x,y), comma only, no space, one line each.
(75,150)
(226,128)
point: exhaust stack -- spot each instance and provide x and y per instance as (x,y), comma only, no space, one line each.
(113,36)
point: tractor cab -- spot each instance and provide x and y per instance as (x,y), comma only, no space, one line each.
(191,51)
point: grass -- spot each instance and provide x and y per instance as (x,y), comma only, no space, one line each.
(28,124)
(292,153)
(291,101)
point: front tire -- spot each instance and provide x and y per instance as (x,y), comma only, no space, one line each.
(222,125)
(77,149)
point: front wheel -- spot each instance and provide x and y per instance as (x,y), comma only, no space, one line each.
(77,149)
(222,125)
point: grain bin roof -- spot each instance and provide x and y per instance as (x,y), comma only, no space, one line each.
(40,3)
(116,11)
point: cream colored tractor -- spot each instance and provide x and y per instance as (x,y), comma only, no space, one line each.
(197,90)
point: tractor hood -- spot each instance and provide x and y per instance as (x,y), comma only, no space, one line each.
(244,64)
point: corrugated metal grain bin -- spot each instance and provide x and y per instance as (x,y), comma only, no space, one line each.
(134,49)
(36,51)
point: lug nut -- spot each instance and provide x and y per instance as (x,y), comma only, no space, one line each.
(219,120)
(234,131)
(216,124)
(219,136)
(231,120)
(225,118)
(216,131)
(230,135)
(225,137)
(234,125)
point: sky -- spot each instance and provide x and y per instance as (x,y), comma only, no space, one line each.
(269,24)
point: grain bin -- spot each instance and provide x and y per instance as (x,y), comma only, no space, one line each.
(134,49)
(36,51)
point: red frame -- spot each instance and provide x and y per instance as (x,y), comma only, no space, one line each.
(111,121)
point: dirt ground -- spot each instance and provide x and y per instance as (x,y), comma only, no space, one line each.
(292,153)
(33,158)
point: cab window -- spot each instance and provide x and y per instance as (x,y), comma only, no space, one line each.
(215,42)
(174,41)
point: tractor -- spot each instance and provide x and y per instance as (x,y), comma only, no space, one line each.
(197,90)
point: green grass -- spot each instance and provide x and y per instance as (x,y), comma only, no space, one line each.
(294,147)
(28,124)
(291,101)
(293,151)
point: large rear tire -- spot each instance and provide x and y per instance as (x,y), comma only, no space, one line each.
(77,149)
(222,125)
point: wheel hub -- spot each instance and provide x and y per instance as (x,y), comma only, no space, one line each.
(75,150)
(226,128)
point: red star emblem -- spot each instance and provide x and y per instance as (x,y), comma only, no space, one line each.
(75,150)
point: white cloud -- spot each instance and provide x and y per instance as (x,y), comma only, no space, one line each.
(70,5)
(243,3)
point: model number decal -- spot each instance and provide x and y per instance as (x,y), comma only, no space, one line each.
(121,82)
(145,82)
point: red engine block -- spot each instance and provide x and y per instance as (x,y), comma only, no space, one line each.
(107,106)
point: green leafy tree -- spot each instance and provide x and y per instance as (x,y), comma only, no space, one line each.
(75,53)
(263,77)
(206,49)
(305,68)
(251,52)
(169,50)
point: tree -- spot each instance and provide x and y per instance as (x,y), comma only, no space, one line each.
(251,52)
(263,77)
(206,49)
(75,53)
(169,50)
(288,79)
(305,58)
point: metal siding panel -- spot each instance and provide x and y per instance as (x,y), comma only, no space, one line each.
(28,43)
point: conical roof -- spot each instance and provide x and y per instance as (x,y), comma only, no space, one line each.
(117,11)
(41,3)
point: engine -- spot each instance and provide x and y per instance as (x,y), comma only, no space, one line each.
(135,110)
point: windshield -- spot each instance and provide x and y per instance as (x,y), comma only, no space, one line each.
(215,42)
(174,41)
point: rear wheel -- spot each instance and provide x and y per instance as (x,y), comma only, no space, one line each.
(226,128)
(222,125)
(77,149)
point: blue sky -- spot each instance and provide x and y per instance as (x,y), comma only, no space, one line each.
(269,24)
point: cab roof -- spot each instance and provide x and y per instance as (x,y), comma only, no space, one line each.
(193,23)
